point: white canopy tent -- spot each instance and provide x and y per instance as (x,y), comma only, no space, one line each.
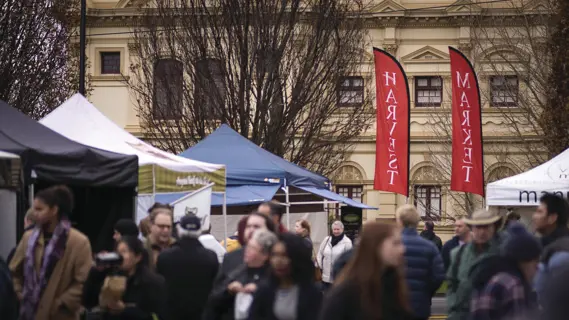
(159,171)
(526,188)
(8,155)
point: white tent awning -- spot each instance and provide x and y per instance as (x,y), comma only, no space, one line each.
(8,155)
(526,188)
(78,120)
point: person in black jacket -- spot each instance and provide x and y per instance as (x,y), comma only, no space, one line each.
(189,270)
(145,293)
(234,260)
(242,282)
(429,234)
(8,300)
(291,292)
(462,236)
(372,286)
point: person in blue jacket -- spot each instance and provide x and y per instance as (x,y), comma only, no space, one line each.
(424,269)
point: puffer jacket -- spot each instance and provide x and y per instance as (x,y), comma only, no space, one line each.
(424,271)
(327,255)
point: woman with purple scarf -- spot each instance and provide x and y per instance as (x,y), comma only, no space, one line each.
(51,261)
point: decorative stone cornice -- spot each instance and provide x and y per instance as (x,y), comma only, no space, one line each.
(125,17)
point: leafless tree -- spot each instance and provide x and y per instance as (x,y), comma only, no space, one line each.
(38,67)
(269,69)
(525,52)
(519,53)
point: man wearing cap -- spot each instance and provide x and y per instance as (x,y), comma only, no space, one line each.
(189,270)
(464,261)
(502,289)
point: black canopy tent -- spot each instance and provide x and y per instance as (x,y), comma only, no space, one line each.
(104,183)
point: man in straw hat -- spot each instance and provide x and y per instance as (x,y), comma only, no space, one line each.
(485,242)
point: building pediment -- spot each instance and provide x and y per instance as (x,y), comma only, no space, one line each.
(504,53)
(426,54)
(388,6)
(540,6)
(463,7)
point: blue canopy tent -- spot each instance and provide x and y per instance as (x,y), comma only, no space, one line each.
(254,175)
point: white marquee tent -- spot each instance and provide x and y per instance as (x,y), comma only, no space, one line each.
(526,188)
(159,172)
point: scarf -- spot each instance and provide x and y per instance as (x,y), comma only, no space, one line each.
(336,239)
(34,283)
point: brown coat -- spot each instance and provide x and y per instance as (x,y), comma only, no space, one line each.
(65,285)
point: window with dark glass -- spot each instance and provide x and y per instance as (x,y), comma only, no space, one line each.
(110,62)
(351,91)
(428,91)
(168,89)
(352,192)
(210,88)
(504,91)
(428,201)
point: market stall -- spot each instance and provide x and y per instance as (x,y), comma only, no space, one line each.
(103,182)
(160,172)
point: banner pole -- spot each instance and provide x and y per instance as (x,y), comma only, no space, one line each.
(225,217)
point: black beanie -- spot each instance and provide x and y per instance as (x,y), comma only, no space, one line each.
(519,244)
(126,227)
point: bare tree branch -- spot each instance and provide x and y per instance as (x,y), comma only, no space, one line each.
(269,69)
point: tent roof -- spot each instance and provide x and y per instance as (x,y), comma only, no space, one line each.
(525,188)
(247,163)
(8,155)
(57,159)
(79,120)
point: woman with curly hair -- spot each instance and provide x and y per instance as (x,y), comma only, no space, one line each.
(291,293)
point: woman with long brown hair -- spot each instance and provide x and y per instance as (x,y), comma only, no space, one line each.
(372,285)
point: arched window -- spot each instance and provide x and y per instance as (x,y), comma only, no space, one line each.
(427,192)
(168,89)
(210,89)
(500,173)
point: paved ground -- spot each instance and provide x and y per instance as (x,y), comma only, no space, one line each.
(438,307)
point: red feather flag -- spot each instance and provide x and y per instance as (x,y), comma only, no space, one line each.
(467,173)
(392,136)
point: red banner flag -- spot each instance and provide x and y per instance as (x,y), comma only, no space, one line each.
(467,172)
(392,136)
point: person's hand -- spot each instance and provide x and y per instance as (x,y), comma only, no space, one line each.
(235,287)
(116,307)
(250,288)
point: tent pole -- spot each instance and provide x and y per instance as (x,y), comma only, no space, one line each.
(225,218)
(31,195)
(154,183)
(287,200)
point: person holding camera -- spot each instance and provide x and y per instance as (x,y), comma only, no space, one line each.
(121,285)
(51,261)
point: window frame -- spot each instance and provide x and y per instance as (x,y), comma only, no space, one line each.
(504,88)
(202,82)
(350,188)
(429,88)
(102,55)
(359,90)
(173,112)
(428,214)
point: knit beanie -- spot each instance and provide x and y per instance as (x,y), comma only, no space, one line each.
(126,227)
(519,244)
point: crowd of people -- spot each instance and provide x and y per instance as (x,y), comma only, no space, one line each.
(494,268)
